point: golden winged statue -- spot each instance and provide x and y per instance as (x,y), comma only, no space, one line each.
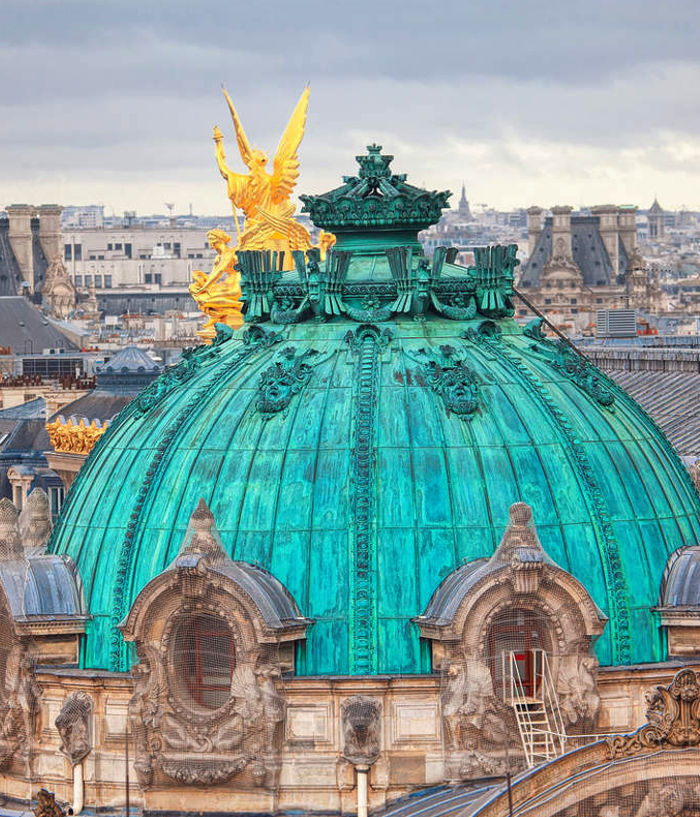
(268,213)
(263,196)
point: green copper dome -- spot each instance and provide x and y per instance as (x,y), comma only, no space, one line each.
(366,437)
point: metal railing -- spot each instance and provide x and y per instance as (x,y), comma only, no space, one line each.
(537,712)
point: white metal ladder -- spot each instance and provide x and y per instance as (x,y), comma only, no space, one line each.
(537,712)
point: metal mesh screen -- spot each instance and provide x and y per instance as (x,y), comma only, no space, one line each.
(204,657)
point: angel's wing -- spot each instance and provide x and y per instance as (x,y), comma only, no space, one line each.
(243,144)
(285,170)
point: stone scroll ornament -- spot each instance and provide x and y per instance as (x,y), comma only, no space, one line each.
(73,724)
(361,721)
(673,719)
(568,361)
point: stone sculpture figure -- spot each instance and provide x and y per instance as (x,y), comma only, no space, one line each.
(19,706)
(73,724)
(273,705)
(10,539)
(471,717)
(451,699)
(470,711)
(668,799)
(218,295)
(361,719)
(579,700)
(47,806)
(58,291)
(35,521)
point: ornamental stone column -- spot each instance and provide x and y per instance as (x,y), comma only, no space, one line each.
(20,235)
(50,230)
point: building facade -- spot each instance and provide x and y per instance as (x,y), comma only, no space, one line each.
(578,264)
(383,538)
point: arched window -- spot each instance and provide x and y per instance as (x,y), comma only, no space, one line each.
(517,635)
(204,659)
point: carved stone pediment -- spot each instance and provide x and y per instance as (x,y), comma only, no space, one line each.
(673,719)
(520,575)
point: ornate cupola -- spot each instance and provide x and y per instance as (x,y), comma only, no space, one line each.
(363,437)
(377,208)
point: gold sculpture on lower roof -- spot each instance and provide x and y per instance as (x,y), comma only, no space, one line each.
(75,436)
(268,217)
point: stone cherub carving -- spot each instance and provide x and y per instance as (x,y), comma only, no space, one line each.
(471,713)
(35,522)
(361,721)
(73,724)
(472,716)
(579,700)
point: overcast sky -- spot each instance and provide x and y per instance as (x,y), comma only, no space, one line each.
(527,101)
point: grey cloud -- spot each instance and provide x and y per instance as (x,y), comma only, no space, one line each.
(104,92)
(574,41)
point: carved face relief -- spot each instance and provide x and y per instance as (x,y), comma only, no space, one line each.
(73,724)
(361,721)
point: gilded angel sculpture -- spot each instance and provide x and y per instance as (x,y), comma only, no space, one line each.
(218,294)
(263,196)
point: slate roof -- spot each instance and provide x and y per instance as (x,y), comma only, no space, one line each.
(587,248)
(31,410)
(672,399)
(40,261)
(26,330)
(25,427)
(131,359)
(43,586)
(119,380)
(97,405)
(440,801)
(681,585)
(23,437)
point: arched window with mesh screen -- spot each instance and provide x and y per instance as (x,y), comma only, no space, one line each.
(204,658)
(521,633)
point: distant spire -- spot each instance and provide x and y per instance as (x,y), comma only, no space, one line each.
(463,210)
